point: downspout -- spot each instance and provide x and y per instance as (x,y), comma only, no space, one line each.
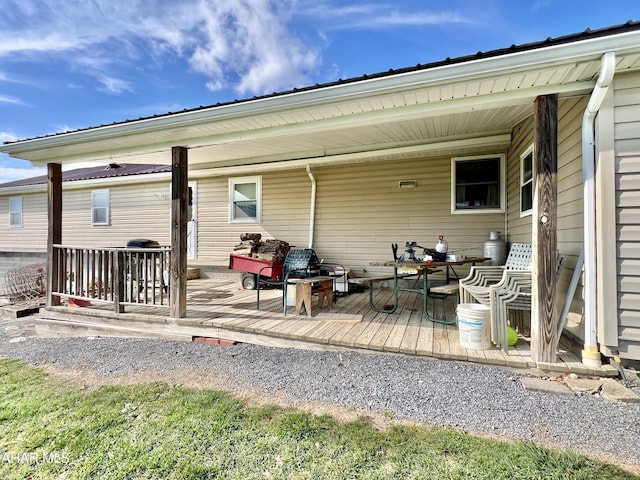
(312,210)
(591,353)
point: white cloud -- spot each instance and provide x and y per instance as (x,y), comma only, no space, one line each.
(64,128)
(540,4)
(114,85)
(246,45)
(13,169)
(251,46)
(378,16)
(9,174)
(7,137)
(10,99)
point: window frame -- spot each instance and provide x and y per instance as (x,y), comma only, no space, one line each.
(502,185)
(257,180)
(13,212)
(95,208)
(523,184)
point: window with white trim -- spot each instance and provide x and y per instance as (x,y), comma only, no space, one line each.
(100,200)
(526,182)
(245,199)
(478,184)
(15,212)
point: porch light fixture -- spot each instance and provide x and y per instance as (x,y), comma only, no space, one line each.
(407,184)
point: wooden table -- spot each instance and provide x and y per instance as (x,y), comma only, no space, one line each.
(424,269)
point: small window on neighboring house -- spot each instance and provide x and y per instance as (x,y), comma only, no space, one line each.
(245,200)
(100,207)
(478,184)
(526,182)
(15,212)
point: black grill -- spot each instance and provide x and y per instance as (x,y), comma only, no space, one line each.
(142,243)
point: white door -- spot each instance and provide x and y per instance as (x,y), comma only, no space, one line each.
(192,223)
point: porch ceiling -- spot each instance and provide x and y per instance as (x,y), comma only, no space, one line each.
(465,106)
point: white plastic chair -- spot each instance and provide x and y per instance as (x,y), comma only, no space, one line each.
(501,287)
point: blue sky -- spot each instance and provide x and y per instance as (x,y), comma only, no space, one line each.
(74,64)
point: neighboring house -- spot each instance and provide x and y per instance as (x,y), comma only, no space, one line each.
(350,167)
(96,198)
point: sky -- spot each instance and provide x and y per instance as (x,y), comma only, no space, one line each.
(66,65)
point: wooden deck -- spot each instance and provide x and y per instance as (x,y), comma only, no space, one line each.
(221,309)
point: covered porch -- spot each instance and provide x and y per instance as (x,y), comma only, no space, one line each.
(389,144)
(221,311)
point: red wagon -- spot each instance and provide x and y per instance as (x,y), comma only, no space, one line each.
(251,267)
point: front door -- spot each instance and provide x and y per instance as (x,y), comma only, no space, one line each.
(192,223)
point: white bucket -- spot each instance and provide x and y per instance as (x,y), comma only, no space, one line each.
(473,326)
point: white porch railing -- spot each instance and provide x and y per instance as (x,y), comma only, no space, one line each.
(122,276)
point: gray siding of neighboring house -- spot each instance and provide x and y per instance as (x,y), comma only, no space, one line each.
(627,212)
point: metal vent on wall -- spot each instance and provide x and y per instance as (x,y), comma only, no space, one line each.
(407,184)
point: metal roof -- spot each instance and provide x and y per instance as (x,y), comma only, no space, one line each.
(93,173)
(462,104)
(575,37)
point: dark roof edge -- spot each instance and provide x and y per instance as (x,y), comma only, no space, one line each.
(587,34)
(93,173)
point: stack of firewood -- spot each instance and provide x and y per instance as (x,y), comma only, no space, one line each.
(252,245)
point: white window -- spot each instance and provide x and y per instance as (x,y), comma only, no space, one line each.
(15,212)
(100,207)
(245,200)
(526,182)
(478,184)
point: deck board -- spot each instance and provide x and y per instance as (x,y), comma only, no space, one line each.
(387,326)
(328,330)
(440,341)
(223,309)
(393,342)
(409,341)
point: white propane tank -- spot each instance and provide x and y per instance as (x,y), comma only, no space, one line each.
(442,246)
(496,249)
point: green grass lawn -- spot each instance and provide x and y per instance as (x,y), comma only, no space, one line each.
(51,430)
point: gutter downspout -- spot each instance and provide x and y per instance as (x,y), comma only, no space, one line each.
(312,210)
(591,353)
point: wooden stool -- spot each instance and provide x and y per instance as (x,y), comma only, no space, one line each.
(306,287)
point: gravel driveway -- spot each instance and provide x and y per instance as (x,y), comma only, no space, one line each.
(473,398)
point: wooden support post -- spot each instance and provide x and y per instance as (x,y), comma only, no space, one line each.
(179,208)
(54,232)
(544,316)
(119,281)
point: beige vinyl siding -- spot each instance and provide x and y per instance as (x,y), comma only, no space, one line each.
(135,211)
(286,197)
(32,236)
(518,228)
(627,180)
(570,204)
(360,212)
